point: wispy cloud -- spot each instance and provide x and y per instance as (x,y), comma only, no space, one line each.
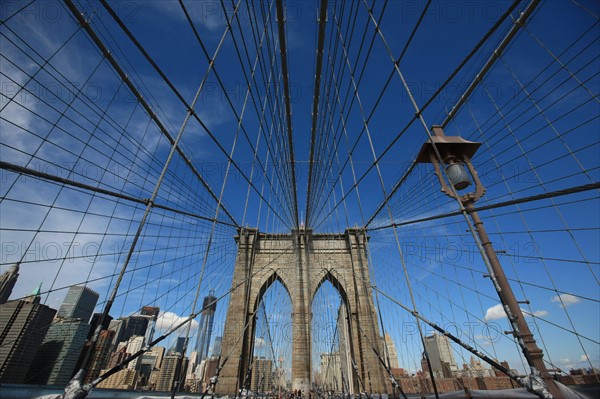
(537,313)
(567,363)
(565,300)
(488,340)
(497,312)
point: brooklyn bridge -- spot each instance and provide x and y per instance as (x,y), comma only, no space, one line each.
(285,199)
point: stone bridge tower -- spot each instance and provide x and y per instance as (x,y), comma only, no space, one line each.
(302,261)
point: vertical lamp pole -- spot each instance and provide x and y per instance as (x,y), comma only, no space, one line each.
(455,152)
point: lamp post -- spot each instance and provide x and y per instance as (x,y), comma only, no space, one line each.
(455,153)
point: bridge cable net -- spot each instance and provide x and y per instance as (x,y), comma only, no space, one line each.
(131,157)
(534,224)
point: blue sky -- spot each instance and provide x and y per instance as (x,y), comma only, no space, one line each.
(536,140)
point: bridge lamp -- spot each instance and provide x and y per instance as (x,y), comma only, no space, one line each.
(456,154)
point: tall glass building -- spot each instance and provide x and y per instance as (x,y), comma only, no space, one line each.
(207,317)
(56,358)
(79,303)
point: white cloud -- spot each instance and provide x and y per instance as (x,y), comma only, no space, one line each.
(537,313)
(566,363)
(168,320)
(487,339)
(497,312)
(259,342)
(494,313)
(565,299)
(58,260)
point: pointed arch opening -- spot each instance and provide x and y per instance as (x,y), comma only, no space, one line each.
(331,359)
(271,344)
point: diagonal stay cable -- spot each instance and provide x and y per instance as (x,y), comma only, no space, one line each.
(518,24)
(254,101)
(214,225)
(87,388)
(184,102)
(288,105)
(505,42)
(557,193)
(150,203)
(276,141)
(81,391)
(315,107)
(523,381)
(85,23)
(461,65)
(260,44)
(57,179)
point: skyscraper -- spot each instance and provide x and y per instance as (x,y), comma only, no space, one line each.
(150,362)
(56,358)
(206,370)
(134,325)
(117,355)
(331,372)
(216,348)
(347,372)
(127,327)
(151,313)
(391,351)
(94,323)
(101,355)
(189,374)
(118,326)
(79,303)
(123,379)
(262,375)
(440,354)
(177,346)
(170,372)
(209,307)
(207,315)
(23,325)
(134,344)
(7,282)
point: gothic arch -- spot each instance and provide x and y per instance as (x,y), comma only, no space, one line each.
(346,350)
(267,283)
(302,262)
(329,275)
